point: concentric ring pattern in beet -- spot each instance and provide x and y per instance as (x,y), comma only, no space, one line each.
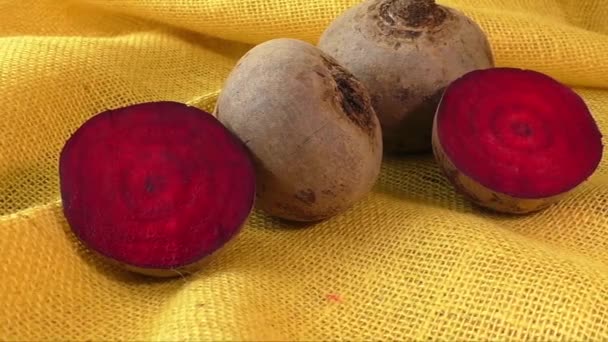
(518,132)
(156,185)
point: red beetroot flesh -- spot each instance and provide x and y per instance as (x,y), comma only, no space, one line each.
(155,185)
(518,132)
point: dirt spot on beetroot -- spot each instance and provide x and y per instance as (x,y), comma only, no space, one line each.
(307,196)
(350,92)
(406,18)
(302,76)
(417,13)
(320,72)
(403,95)
(422,13)
(328,192)
(351,101)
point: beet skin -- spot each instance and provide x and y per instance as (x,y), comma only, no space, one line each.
(515,140)
(155,187)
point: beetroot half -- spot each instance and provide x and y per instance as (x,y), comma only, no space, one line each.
(156,187)
(513,140)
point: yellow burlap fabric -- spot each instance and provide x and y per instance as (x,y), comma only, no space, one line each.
(411,261)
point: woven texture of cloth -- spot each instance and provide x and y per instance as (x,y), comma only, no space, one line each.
(411,261)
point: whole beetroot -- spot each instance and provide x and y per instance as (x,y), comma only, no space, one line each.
(406,52)
(310,126)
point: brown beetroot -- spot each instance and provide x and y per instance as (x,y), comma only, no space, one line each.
(310,126)
(406,52)
(155,187)
(515,140)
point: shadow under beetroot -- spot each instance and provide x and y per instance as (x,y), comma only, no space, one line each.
(281,223)
(413,178)
(418,178)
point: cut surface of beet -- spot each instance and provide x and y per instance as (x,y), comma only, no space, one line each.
(518,132)
(155,185)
